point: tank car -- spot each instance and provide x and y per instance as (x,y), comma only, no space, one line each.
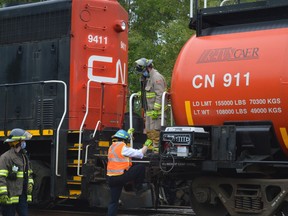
(229,100)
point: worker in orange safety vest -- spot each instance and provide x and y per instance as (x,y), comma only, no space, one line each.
(119,168)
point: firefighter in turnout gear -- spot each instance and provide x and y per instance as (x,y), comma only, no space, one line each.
(153,89)
(16,183)
(120,170)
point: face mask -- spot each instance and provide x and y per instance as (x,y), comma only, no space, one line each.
(145,73)
(23,145)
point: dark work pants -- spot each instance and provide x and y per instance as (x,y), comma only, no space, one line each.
(136,173)
(21,208)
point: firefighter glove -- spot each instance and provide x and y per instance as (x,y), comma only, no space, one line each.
(148,142)
(155,149)
(130,131)
(4,199)
(30,189)
(155,114)
(139,93)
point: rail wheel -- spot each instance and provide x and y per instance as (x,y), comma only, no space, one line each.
(283,211)
(202,206)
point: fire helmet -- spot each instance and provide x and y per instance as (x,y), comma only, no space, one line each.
(17,135)
(142,63)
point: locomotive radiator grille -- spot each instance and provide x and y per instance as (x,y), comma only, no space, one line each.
(45,113)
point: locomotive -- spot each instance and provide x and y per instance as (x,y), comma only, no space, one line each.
(229,100)
(64,79)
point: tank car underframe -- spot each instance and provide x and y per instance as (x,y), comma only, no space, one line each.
(257,196)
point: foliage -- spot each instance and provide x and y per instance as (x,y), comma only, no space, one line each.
(3,2)
(158,30)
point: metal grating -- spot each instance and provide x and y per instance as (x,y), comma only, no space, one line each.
(35,27)
(45,113)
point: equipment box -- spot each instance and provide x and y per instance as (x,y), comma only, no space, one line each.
(188,142)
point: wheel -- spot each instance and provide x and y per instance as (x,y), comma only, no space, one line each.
(283,211)
(206,208)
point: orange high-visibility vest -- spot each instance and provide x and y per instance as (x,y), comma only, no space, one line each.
(117,163)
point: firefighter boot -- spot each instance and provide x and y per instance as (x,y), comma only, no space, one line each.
(156,136)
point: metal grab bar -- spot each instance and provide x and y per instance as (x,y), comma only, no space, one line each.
(163,110)
(60,123)
(87,147)
(81,128)
(96,127)
(131,115)
(86,154)
(84,119)
(62,118)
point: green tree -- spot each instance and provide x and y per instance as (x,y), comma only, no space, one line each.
(3,2)
(157,30)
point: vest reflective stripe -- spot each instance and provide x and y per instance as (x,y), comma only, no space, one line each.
(13,200)
(3,190)
(20,174)
(117,163)
(151,112)
(30,181)
(157,106)
(29,198)
(116,171)
(118,160)
(4,173)
(150,94)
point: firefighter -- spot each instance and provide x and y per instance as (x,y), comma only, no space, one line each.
(120,170)
(153,88)
(16,182)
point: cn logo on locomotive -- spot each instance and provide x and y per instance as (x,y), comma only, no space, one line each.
(119,70)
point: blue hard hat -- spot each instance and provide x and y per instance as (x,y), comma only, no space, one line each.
(122,134)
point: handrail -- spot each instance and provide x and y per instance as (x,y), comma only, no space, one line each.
(163,108)
(86,154)
(162,112)
(81,127)
(60,123)
(62,118)
(96,127)
(84,119)
(171,116)
(191,8)
(87,147)
(131,115)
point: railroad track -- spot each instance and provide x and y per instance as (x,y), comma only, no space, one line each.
(68,211)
